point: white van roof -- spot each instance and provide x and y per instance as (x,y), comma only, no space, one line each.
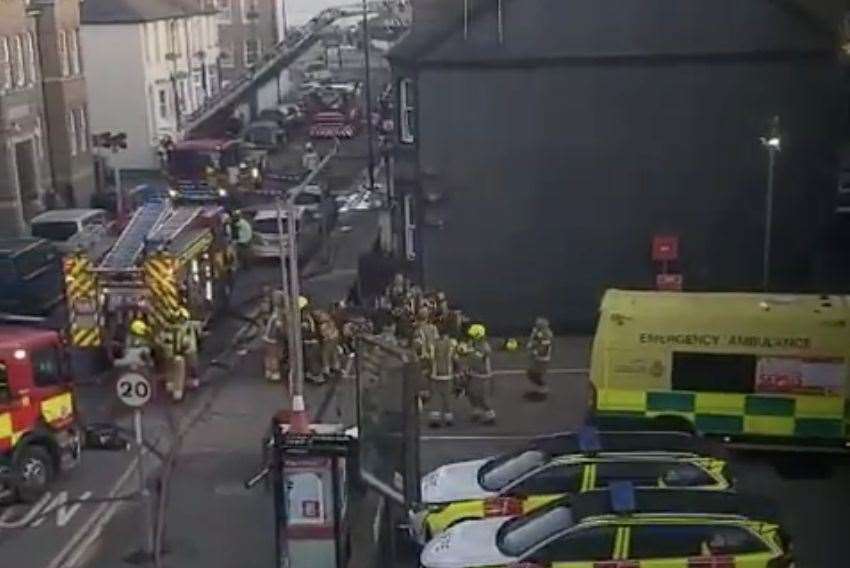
(65,215)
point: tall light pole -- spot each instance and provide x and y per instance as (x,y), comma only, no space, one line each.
(369,126)
(773,143)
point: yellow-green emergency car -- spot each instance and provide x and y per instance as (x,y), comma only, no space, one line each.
(748,368)
(507,494)
(620,528)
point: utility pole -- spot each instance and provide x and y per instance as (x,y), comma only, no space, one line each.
(773,143)
(299,420)
(369,126)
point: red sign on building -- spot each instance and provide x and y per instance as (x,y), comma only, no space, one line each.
(665,248)
(669,282)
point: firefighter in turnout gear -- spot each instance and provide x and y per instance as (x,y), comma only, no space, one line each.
(540,356)
(425,336)
(480,372)
(311,340)
(442,381)
(329,336)
(137,349)
(397,290)
(275,339)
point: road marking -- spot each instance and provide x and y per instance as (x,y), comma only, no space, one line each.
(376,524)
(27,518)
(479,437)
(63,513)
(91,528)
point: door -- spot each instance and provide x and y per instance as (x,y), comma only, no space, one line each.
(583,548)
(709,546)
(25,167)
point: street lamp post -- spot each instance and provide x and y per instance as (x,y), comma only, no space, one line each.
(773,143)
(369,126)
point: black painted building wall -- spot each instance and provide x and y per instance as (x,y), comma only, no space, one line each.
(547,162)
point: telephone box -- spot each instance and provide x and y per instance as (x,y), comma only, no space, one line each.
(311,496)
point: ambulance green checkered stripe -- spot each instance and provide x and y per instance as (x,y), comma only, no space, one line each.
(672,401)
(769,406)
(718,423)
(818,428)
(716,413)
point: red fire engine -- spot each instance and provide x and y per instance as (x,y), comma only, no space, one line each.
(38,431)
(334,110)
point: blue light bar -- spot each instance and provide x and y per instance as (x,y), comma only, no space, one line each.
(588,440)
(622,497)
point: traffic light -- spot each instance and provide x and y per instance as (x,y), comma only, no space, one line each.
(114,142)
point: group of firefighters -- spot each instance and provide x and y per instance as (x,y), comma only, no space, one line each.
(454,353)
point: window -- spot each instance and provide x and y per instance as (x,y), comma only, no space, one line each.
(154,29)
(225,11)
(556,478)
(39,136)
(74,52)
(583,545)
(252,51)
(82,121)
(648,474)
(499,472)
(226,55)
(32,66)
(57,231)
(5,64)
(714,372)
(518,536)
(62,47)
(5,393)
(407,111)
(685,541)
(47,367)
(72,132)
(249,11)
(162,103)
(18,61)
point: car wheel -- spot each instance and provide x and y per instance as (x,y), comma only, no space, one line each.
(672,424)
(34,470)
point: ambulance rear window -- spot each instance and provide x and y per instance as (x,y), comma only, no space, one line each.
(714,372)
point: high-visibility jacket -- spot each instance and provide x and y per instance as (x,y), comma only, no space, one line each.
(479,359)
(540,345)
(424,337)
(442,365)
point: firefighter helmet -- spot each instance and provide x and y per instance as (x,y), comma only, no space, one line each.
(183,314)
(139,327)
(477,331)
(511,344)
(303,302)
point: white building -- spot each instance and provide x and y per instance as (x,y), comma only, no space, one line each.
(149,63)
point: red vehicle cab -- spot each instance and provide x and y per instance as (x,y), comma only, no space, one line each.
(39,437)
(211,167)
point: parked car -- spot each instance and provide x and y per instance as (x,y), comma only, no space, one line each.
(314,201)
(70,229)
(265,134)
(31,279)
(266,243)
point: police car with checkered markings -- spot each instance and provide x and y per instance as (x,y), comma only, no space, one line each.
(553,466)
(621,527)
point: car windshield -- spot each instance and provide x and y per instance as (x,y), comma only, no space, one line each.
(268,226)
(499,472)
(305,198)
(57,231)
(519,535)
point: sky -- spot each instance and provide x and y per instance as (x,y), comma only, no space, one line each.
(299,11)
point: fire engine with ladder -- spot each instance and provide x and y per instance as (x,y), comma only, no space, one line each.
(170,259)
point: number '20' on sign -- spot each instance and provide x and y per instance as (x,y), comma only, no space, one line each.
(133,389)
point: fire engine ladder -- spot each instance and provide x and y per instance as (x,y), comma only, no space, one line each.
(180,218)
(131,242)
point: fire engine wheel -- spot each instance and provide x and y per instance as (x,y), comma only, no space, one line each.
(34,469)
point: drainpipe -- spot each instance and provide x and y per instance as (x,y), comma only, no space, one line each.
(46,146)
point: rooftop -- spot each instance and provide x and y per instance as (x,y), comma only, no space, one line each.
(136,11)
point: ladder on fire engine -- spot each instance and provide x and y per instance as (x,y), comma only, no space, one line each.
(132,241)
(180,218)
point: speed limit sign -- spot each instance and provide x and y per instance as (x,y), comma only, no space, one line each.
(134,389)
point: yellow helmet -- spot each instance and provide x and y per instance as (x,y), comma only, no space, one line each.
(303,302)
(183,313)
(511,344)
(477,331)
(139,327)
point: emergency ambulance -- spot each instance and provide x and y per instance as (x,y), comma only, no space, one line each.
(748,368)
